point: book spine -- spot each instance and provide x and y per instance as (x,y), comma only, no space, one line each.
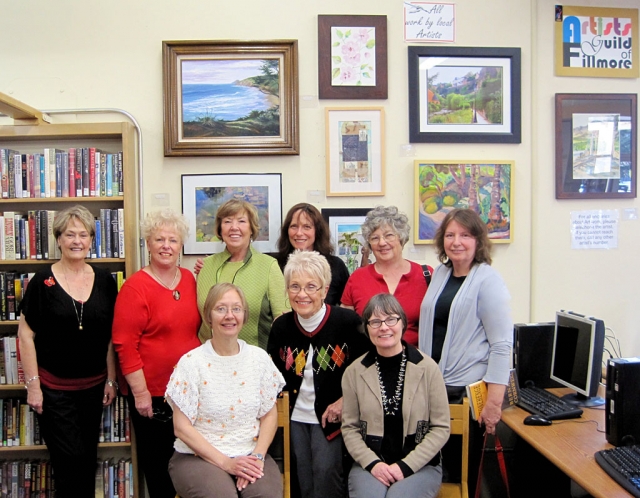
(59,167)
(114,234)
(96,175)
(11,295)
(3,299)
(9,235)
(25,174)
(31,177)
(52,173)
(65,174)
(47,172)
(121,233)
(11,180)
(85,171)
(108,233)
(120,175)
(72,172)
(24,238)
(103,174)
(37,185)
(43,184)
(79,189)
(33,242)
(109,175)
(3,374)
(98,238)
(4,171)
(92,171)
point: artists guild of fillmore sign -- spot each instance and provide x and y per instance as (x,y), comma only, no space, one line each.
(597,42)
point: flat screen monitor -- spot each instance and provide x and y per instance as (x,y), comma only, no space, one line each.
(576,361)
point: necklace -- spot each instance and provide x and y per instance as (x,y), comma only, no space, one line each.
(176,292)
(391,405)
(73,301)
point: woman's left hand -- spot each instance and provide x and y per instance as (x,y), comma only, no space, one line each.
(333,413)
(109,394)
(490,416)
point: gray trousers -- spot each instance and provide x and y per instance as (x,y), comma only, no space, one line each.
(318,461)
(423,484)
(195,478)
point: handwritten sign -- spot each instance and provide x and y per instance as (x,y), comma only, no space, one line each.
(596,229)
(429,22)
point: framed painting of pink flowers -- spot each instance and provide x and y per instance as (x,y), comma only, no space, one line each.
(352,57)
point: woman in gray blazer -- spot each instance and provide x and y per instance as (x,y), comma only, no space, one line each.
(395,411)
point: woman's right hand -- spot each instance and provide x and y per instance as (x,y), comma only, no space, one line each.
(198,266)
(34,399)
(143,404)
(387,474)
(245,467)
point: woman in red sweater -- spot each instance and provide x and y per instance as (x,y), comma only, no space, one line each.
(156,322)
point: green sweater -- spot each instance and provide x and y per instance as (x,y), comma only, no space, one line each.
(261,280)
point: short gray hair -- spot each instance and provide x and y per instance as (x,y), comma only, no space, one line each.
(382,216)
(166,218)
(309,263)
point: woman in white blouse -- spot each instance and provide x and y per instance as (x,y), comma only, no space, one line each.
(223,396)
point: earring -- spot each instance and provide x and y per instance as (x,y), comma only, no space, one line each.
(179,259)
(149,257)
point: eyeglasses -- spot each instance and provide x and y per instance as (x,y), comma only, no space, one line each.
(308,289)
(223,310)
(388,237)
(161,415)
(377,323)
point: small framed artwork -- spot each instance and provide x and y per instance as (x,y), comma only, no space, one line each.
(596,42)
(345,226)
(202,195)
(230,98)
(596,145)
(484,186)
(352,57)
(355,150)
(464,95)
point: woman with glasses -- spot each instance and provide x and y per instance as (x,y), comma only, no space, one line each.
(304,228)
(395,411)
(156,322)
(223,396)
(312,346)
(385,231)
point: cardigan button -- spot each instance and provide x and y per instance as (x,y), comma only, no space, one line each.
(295,391)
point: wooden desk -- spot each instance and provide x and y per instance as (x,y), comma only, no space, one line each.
(570,446)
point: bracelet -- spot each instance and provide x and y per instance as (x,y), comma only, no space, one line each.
(26,384)
(112,383)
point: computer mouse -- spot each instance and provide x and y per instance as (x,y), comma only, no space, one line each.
(536,420)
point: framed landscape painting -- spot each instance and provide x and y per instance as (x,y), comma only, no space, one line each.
(345,227)
(202,195)
(230,98)
(464,95)
(485,187)
(596,145)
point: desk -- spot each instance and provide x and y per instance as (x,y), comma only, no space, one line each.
(570,446)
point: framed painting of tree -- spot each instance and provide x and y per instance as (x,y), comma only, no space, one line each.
(485,187)
(345,227)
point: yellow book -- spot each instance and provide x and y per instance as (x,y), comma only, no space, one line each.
(477,393)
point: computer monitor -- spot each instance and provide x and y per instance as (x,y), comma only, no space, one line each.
(576,360)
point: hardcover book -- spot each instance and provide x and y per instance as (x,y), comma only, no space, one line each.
(477,394)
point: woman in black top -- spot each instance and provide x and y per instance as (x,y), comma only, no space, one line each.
(304,228)
(67,355)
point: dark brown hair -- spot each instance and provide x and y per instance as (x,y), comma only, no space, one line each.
(472,222)
(322,243)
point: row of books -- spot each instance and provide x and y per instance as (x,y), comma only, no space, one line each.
(115,479)
(27,478)
(81,172)
(20,425)
(29,236)
(11,372)
(115,426)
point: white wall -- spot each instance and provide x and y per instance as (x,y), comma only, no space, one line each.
(78,54)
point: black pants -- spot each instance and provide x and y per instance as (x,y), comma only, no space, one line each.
(154,445)
(70,425)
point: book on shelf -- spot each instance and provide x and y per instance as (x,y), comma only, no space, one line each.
(477,393)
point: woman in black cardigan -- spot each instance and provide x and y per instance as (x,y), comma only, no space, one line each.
(312,346)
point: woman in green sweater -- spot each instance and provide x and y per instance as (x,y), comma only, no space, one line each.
(257,274)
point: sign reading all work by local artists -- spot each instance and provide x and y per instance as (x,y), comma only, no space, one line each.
(429,22)
(595,229)
(594,41)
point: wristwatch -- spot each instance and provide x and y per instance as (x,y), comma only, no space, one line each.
(259,456)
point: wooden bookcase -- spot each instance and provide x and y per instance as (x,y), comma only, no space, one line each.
(32,138)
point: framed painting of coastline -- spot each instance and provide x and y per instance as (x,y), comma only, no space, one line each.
(345,227)
(355,150)
(596,42)
(464,95)
(484,186)
(352,57)
(230,98)
(596,145)
(202,195)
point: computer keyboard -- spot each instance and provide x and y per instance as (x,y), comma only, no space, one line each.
(623,466)
(550,406)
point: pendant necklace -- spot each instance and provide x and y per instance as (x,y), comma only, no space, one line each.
(175,292)
(73,301)
(391,404)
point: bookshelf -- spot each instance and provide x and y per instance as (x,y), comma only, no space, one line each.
(31,134)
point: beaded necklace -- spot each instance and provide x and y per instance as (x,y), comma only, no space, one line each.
(391,405)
